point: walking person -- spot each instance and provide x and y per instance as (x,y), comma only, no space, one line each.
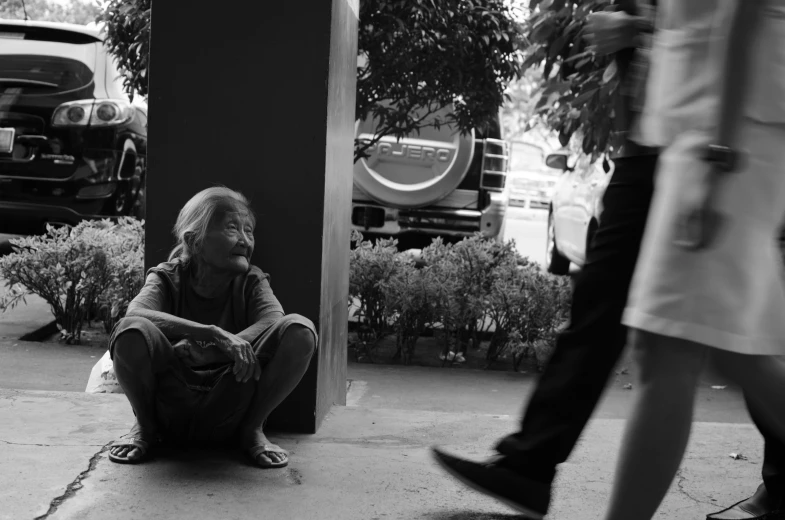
(710,278)
(571,385)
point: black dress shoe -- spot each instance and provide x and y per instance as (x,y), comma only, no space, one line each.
(753,508)
(494,479)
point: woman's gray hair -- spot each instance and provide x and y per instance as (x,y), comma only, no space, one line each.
(198,213)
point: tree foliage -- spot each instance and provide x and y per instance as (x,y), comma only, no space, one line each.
(70,11)
(127,24)
(418,56)
(578,87)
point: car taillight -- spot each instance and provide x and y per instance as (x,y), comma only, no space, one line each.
(106,112)
(75,115)
(93,112)
(495,164)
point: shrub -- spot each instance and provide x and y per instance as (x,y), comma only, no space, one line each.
(447,310)
(527,306)
(370,266)
(466,272)
(555,300)
(126,265)
(465,288)
(94,265)
(410,295)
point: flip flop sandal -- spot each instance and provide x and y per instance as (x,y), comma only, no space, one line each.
(266,448)
(136,442)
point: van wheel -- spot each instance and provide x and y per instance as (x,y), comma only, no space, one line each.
(556,262)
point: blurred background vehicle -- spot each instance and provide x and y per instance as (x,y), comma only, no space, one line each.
(531,182)
(575,209)
(73,146)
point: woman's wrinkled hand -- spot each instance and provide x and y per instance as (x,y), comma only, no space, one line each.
(610,32)
(698,223)
(246,365)
(182,348)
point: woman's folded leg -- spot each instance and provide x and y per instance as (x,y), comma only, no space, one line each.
(137,358)
(289,346)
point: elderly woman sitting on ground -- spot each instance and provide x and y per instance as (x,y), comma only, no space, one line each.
(205,352)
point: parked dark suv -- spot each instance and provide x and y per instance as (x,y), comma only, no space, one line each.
(72,144)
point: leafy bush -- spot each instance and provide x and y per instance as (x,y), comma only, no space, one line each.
(466,271)
(126,265)
(370,266)
(95,265)
(465,288)
(410,296)
(527,306)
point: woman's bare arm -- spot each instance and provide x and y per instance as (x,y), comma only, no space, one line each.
(176,328)
(152,303)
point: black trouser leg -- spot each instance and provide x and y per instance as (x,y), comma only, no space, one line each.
(773,462)
(586,353)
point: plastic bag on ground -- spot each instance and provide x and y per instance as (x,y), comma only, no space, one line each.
(102,379)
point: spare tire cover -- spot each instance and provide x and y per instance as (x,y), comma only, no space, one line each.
(416,171)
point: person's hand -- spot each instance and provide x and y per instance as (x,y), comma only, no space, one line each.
(182,348)
(610,32)
(246,365)
(698,223)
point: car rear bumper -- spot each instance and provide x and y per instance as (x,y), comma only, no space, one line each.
(382,220)
(21,217)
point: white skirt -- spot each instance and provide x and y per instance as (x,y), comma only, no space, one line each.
(731,295)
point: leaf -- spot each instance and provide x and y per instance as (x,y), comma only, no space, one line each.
(610,72)
(579,101)
(543,32)
(564,138)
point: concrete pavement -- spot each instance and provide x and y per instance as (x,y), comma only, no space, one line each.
(364,463)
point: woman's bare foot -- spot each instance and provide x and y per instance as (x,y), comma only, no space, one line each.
(134,446)
(264,453)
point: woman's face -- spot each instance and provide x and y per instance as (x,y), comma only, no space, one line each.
(229,243)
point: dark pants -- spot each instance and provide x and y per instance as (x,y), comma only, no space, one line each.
(588,350)
(201,404)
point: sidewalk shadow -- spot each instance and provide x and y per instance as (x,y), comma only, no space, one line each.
(199,464)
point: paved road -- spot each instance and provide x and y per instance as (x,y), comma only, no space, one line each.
(529,230)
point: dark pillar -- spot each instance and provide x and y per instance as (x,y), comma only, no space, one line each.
(259,96)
